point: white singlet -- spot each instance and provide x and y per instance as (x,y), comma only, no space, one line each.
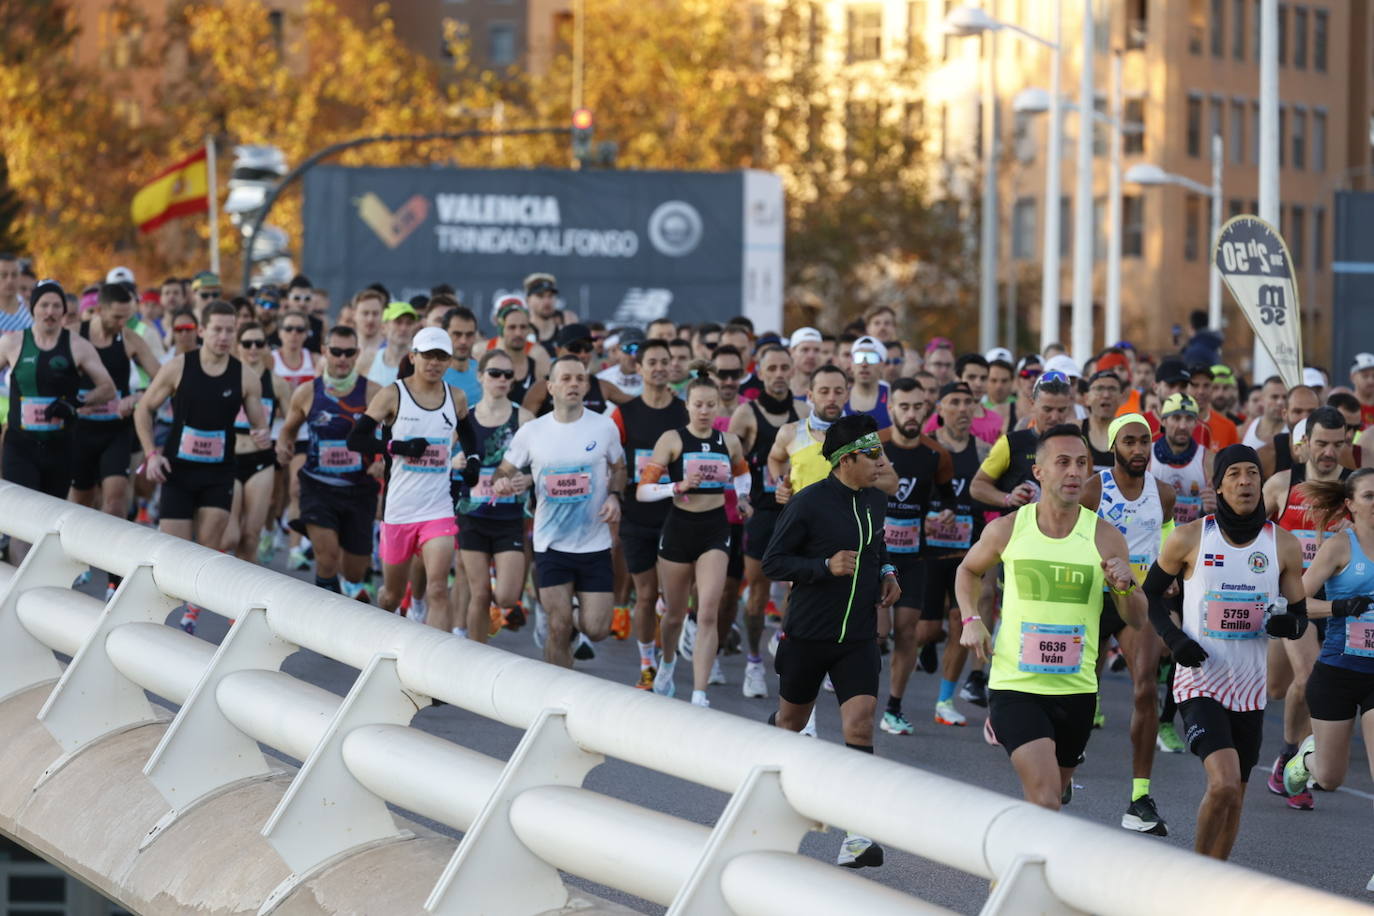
(1188,481)
(1224,608)
(1139,520)
(417,489)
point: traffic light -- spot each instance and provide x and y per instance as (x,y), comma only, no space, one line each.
(582,134)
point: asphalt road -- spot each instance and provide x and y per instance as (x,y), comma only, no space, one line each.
(1327,848)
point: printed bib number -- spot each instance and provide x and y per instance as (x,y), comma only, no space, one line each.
(1051,648)
(433,461)
(204,446)
(1233,615)
(713,467)
(1187,509)
(903,535)
(106,412)
(31,415)
(642,456)
(336,458)
(1308,540)
(481,493)
(1359,635)
(567,485)
(957,533)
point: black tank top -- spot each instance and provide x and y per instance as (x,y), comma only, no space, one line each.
(761,490)
(1100,458)
(203,412)
(968,522)
(915,468)
(711,456)
(594,399)
(38,378)
(643,425)
(114,357)
(492,442)
(521,386)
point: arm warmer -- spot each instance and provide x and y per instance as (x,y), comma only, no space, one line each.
(467,438)
(653,492)
(1157,581)
(363,437)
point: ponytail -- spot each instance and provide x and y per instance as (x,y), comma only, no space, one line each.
(700,371)
(1326,498)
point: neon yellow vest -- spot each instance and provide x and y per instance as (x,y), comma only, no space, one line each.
(808,464)
(1051,609)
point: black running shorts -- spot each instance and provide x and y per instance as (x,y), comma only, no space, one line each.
(1210,727)
(1019,718)
(802,665)
(1337,694)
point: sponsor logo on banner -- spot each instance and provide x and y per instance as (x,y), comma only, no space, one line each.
(675,228)
(1258,270)
(392,227)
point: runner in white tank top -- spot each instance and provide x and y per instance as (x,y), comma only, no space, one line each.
(1178,460)
(417,488)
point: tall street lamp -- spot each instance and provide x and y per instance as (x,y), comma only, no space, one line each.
(968,21)
(1148,174)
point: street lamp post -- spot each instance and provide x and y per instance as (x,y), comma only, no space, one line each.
(1148,175)
(1082,314)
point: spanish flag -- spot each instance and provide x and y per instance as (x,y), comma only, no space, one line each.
(181,189)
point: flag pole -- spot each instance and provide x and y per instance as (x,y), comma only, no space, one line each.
(212,179)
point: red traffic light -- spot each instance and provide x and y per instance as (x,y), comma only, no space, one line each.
(582,119)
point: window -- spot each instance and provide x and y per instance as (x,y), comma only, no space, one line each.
(1065,226)
(1022,136)
(1101,131)
(1234,207)
(1283,34)
(1318,237)
(1319,140)
(1300,37)
(1216,113)
(1137,24)
(945,40)
(1099,228)
(276,22)
(501,44)
(1254,133)
(1132,225)
(913,127)
(1297,237)
(1283,132)
(1218,28)
(863,123)
(916,16)
(1133,141)
(1238,29)
(1236,141)
(865,32)
(1319,29)
(1023,229)
(1194,125)
(1192,213)
(1197,26)
(1299,138)
(944,132)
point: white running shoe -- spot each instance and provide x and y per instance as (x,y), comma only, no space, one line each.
(754,683)
(809,730)
(418,610)
(687,639)
(859,851)
(717,676)
(663,680)
(946,714)
(699,699)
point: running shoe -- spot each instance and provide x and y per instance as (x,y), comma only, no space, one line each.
(110,589)
(700,700)
(894,723)
(717,676)
(1295,773)
(687,639)
(356,591)
(663,680)
(1302,801)
(1142,817)
(929,659)
(267,548)
(975,689)
(1276,776)
(496,620)
(1116,660)
(733,640)
(946,714)
(646,678)
(754,683)
(1168,740)
(541,625)
(189,618)
(296,559)
(988,735)
(418,610)
(828,684)
(859,852)
(809,729)
(620,622)
(582,647)
(771,615)
(82,580)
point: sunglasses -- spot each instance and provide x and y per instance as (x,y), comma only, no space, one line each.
(266,305)
(250,344)
(206,294)
(293,328)
(500,373)
(183,327)
(873,451)
(729,374)
(1029,373)
(866,358)
(579,346)
(343,351)
(1053,382)
(630,348)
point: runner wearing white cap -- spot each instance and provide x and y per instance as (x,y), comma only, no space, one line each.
(870,393)
(805,344)
(1362,380)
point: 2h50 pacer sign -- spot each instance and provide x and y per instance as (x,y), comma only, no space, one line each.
(1254,262)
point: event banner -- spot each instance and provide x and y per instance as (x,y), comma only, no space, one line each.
(1258,270)
(626,246)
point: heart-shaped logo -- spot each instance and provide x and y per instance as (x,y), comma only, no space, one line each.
(392,227)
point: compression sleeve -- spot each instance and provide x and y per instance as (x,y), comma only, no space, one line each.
(1298,608)
(653,492)
(467,438)
(998,460)
(362,438)
(1157,582)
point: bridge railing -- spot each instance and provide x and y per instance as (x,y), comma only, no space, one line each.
(526,818)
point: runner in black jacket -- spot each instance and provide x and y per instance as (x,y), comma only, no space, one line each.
(829,544)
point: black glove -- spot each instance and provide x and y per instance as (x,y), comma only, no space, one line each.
(1351,607)
(409,448)
(1186,651)
(472,471)
(60,409)
(1286,626)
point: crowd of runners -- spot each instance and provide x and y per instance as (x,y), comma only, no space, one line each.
(815,501)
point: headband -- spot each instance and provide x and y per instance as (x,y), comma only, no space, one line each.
(1126,419)
(867,440)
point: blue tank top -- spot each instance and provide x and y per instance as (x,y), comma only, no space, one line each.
(328,459)
(879,410)
(491,448)
(1349,641)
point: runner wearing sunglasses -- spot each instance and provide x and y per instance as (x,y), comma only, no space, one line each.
(624,373)
(531,360)
(1005,480)
(254,467)
(337,483)
(870,394)
(575,340)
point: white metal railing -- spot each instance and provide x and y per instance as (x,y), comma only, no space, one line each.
(524,818)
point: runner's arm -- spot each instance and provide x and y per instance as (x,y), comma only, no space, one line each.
(1331,556)
(253,407)
(1111,546)
(985,554)
(983,487)
(362,438)
(161,388)
(137,347)
(784,561)
(1092,494)
(296,411)
(742,425)
(88,360)
(668,447)
(1173,565)
(1275,492)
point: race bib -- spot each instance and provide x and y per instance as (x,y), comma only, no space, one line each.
(567,485)
(1359,635)
(713,466)
(31,416)
(642,456)
(1187,509)
(336,458)
(106,412)
(433,461)
(957,533)
(1233,615)
(903,535)
(1050,648)
(206,447)
(481,493)
(1140,565)
(1309,542)
(770,483)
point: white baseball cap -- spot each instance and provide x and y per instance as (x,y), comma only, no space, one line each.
(427,339)
(870,343)
(1065,364)
(1362,361)
(1299,432)
(119,275)
(1313,378)
(1001,353)
(804,335)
